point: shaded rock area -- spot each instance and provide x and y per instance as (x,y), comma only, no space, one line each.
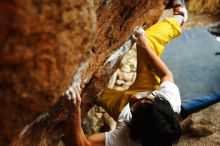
(41,45)
(98,120)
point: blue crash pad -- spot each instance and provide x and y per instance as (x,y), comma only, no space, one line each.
(196,68)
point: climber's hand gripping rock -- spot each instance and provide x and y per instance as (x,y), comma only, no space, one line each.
(73,99)
(140,37)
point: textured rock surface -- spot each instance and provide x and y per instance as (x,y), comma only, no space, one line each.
(40,47)
(125,75)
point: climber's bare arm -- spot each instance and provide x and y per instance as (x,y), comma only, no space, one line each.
(159,66)
(74,133)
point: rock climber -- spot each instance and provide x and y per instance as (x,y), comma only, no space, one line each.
(147,113)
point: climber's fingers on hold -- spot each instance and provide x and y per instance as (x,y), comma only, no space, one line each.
(134,38)
(77,92)
(72,95)
(78,88)
(67,94)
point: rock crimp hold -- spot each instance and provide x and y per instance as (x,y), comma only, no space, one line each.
(41,44)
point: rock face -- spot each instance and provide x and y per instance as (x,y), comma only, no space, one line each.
(41,45)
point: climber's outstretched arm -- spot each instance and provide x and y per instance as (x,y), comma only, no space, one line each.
(74,133)
(159,66)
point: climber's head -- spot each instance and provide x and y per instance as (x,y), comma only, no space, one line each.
(154,123)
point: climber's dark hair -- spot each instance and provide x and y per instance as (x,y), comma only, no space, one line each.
(155,124)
